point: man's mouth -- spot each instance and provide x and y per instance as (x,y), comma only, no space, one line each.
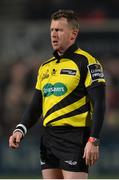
(55,42)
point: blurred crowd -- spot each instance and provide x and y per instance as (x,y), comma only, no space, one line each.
(38,9)
(25,44)
(17,82)
(17,78)
(112,93)
(93,9)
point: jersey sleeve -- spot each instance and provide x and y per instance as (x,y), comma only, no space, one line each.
(95,74)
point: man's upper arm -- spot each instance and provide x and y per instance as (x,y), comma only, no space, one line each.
(95,74)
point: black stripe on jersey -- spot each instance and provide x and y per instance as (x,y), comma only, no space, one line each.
(78,111)
(82,62)
(71,98)
(80,89)
(48,61)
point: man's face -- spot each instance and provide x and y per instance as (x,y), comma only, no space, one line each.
(62,34)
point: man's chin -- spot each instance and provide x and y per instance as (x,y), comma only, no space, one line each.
(55,48)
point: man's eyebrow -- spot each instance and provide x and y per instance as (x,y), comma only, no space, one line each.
(56,29)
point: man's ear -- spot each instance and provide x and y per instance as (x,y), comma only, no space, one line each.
(74,34)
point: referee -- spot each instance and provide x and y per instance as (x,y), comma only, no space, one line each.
(70,96)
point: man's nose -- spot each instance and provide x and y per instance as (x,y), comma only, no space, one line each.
(54,34)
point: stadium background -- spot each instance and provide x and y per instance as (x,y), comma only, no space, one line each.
(24,44)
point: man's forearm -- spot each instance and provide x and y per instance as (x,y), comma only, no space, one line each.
(32,113)
(97,96)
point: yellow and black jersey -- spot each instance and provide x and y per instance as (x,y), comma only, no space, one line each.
(63,81)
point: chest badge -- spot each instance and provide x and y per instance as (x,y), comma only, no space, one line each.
(45,75)
(53,72)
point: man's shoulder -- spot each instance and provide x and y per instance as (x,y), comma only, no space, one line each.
(84,53)
(88,56)
(48,61)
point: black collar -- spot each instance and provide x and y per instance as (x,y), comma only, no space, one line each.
(67,53)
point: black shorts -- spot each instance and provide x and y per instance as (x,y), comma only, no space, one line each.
(63,148)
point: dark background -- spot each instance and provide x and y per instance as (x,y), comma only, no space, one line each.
(24,45)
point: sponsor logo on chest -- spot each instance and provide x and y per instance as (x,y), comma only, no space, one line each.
(57,89)
(68,72)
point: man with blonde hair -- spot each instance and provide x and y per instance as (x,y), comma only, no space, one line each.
(70,95)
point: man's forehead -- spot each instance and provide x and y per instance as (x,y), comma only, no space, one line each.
(59,21)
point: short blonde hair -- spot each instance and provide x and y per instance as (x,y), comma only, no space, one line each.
(70,15)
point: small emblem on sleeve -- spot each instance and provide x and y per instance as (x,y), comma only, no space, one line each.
(68,71)
(96,71)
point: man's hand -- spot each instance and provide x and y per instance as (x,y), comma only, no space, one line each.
(91,153)
(15,139)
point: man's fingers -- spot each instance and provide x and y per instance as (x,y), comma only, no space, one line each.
(91,159)
(84,155)
(14,140)
(18,139)
(88,159)
(91,154)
